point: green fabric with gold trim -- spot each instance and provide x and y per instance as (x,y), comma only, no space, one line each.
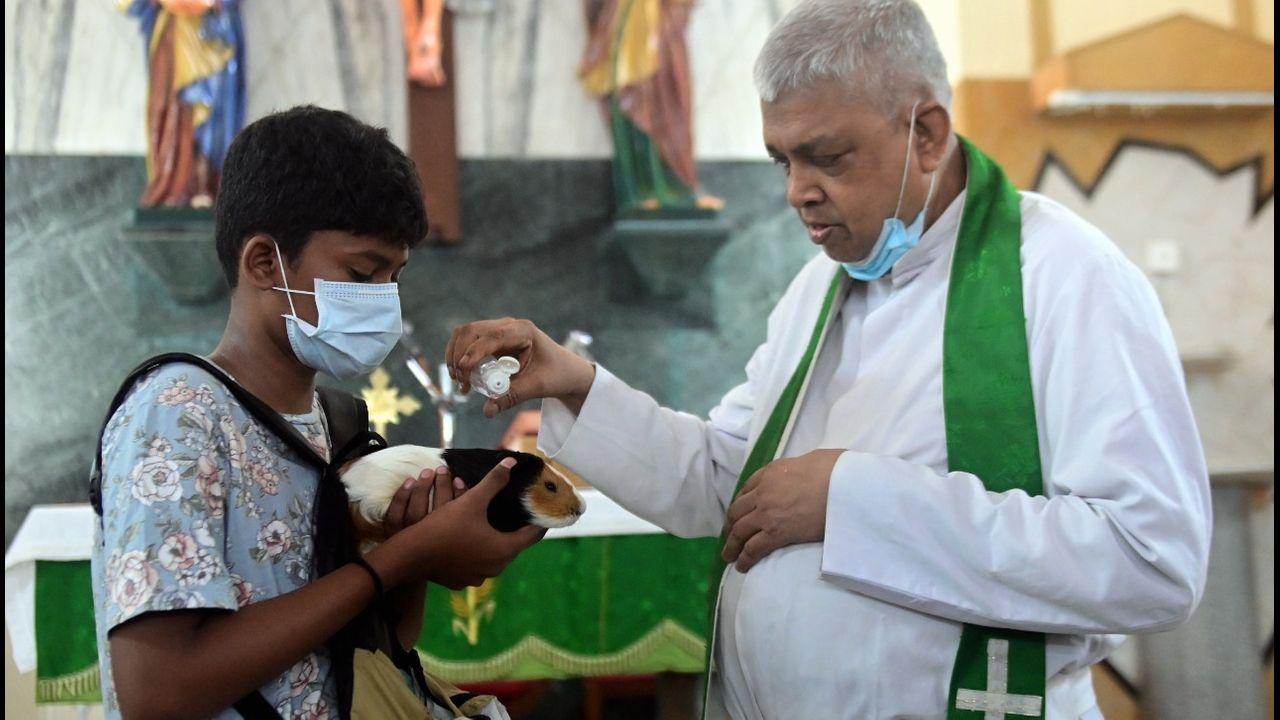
(66,644)
(623,605)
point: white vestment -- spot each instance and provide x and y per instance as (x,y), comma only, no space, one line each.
(866,624)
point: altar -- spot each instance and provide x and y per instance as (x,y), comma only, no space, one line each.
(610,596)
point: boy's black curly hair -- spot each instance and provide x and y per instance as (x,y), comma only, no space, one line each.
(309,169)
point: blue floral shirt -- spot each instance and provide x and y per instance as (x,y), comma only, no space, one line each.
(203,507)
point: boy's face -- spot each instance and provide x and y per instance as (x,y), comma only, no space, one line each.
(331,255)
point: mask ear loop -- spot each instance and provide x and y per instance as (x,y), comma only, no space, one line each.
(287,292)
(906,162)
(928,198)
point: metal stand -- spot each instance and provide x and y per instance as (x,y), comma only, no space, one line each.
(443,394)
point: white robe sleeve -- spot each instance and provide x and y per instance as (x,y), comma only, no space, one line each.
(671,468)
(1120,542)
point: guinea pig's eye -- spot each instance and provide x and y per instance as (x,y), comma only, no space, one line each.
(550,486)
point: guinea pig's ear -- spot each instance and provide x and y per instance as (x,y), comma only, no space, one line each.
(472,464)
(550,472)
(528,460)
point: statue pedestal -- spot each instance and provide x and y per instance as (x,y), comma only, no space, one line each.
(662,255)
(177,246)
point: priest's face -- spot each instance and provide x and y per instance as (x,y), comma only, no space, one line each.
(843,159)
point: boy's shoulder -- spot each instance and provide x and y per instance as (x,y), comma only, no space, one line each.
(175,385)
(178,406)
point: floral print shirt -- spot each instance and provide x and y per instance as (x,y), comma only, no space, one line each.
(203,507)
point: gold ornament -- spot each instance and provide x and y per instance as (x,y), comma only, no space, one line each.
(386,406)
(471,606)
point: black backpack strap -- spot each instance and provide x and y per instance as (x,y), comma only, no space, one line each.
(251,403)
(408,660)
(349,438)
(255,707)
(349,433)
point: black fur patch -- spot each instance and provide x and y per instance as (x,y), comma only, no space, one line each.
(506,510)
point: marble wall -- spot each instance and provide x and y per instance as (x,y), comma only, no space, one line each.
(79,311)
(75,70)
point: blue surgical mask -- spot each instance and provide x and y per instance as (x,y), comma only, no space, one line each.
(357,326)
(895,237)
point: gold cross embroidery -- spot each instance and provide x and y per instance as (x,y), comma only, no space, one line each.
(470,607)
(386,406)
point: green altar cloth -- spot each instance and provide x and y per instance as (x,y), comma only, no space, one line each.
(574,606)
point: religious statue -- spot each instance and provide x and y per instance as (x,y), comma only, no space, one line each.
(428,42)
(636,62)
(423,41)
(195,96)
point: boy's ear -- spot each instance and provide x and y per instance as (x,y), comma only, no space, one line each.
(259,267)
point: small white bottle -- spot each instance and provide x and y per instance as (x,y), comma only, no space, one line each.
(492,377)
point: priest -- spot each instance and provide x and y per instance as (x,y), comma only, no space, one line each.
(961,467)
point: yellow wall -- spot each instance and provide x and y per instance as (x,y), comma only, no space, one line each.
(995,38)
(1079,22)
(944,16)
(1265,20)
(994,46)
(999,117)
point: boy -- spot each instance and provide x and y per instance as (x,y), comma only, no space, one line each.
(205,586)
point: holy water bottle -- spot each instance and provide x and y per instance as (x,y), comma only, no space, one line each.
(492,377)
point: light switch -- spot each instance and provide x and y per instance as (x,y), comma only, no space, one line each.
(1164,257)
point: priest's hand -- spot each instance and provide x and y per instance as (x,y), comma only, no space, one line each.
(784,503)
(547,368)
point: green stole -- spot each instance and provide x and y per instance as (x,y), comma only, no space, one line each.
(990,422)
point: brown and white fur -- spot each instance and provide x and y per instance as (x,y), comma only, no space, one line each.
(536,493)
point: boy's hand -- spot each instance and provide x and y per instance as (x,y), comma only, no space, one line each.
(455,545)
(419,497)
(416,499)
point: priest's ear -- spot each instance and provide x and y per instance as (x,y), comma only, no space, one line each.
(933,135)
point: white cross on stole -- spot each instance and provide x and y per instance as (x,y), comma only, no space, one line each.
(996,702)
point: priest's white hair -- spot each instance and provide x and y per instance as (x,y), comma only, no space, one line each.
(884,49)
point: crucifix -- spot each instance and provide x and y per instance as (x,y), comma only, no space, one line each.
(433,143)
(996,702)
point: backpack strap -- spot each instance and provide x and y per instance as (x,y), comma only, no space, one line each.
(251,403)
(255,707)
(349,433)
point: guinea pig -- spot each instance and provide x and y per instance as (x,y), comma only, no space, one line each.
(536,494)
